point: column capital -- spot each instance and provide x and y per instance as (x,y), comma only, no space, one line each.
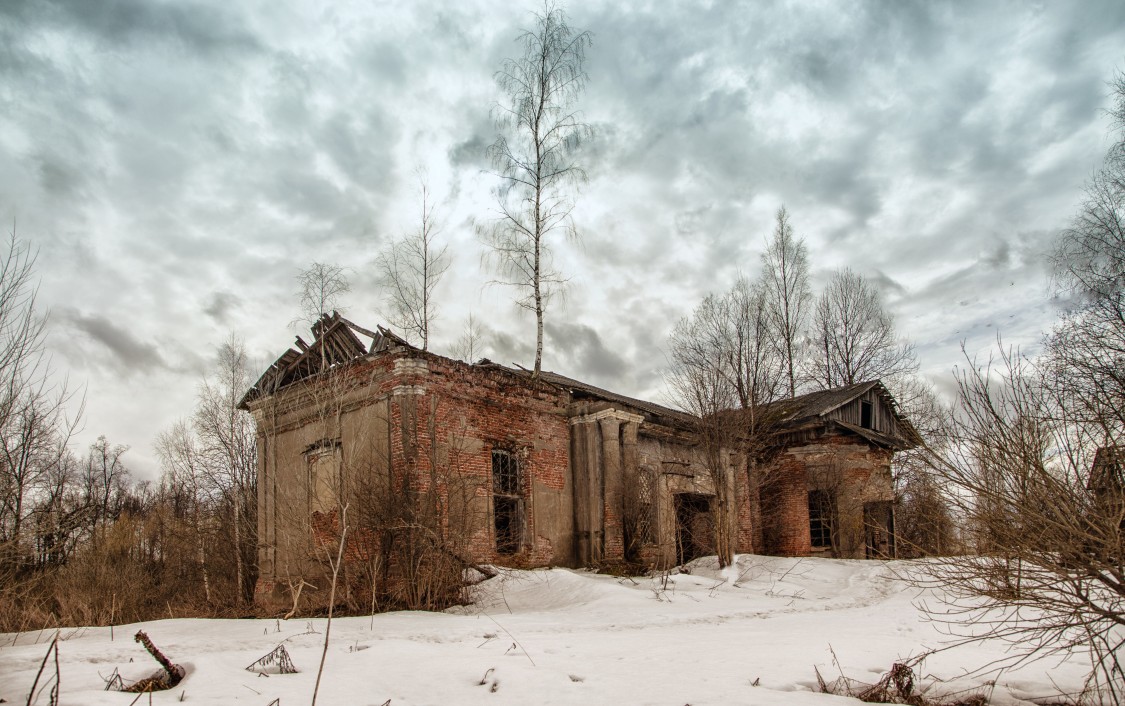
(607,414)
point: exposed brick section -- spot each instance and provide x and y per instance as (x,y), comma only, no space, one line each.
(785,508)
(853,471)
(744,504)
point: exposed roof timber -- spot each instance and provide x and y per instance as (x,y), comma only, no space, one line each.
(335,343)
(876,437)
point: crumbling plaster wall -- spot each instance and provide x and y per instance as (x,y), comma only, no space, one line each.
(678,467)
(421,417)
(345,419)
(467,411)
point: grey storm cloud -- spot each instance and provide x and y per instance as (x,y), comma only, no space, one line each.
(200,27)
(504,348)
(220,305)
(587,356)
(177,162)
(129,352)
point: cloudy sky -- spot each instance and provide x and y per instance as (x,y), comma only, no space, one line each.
(177,163)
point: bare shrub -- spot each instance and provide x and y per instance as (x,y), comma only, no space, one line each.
(900,685)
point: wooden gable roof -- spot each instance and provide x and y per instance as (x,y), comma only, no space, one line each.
(842,408)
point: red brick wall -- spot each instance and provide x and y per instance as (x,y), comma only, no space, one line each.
(853,470)
(785,508)
(470,410)
(744,505)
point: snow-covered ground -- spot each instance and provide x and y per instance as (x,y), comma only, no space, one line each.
(559,637)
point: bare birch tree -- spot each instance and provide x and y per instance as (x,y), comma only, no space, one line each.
(785,277)
(853,336)
(228,448)
(410,269)
(319,288)
(185,480)
(534,157)
(470,344)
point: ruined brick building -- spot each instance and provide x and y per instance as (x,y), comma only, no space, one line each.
(522,471)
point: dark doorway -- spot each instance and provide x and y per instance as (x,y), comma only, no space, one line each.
(879,530)
(694,531)
(822,520)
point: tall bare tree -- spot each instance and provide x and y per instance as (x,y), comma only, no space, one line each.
(702,383)
(185,480)
(34,426)
(534,157)
(229,454)
(210,466)
(410,269)
(785,277)
(1088,344)
(725,371)
(105,483)
(853,336)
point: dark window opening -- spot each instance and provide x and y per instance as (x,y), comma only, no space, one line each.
(506,513)
(865,414)
(507,502)
(638,527)
(821,511)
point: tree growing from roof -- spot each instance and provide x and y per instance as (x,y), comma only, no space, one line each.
(785,279)
(534,158)
(853,336)
(410,269)
(470,344)
(319,288)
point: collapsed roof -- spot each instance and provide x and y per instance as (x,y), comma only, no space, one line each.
(336,341)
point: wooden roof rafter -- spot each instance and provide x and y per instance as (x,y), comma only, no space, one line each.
(336,342)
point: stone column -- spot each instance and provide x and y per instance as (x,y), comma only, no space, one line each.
(614,495)
(580,474)
(594,493)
